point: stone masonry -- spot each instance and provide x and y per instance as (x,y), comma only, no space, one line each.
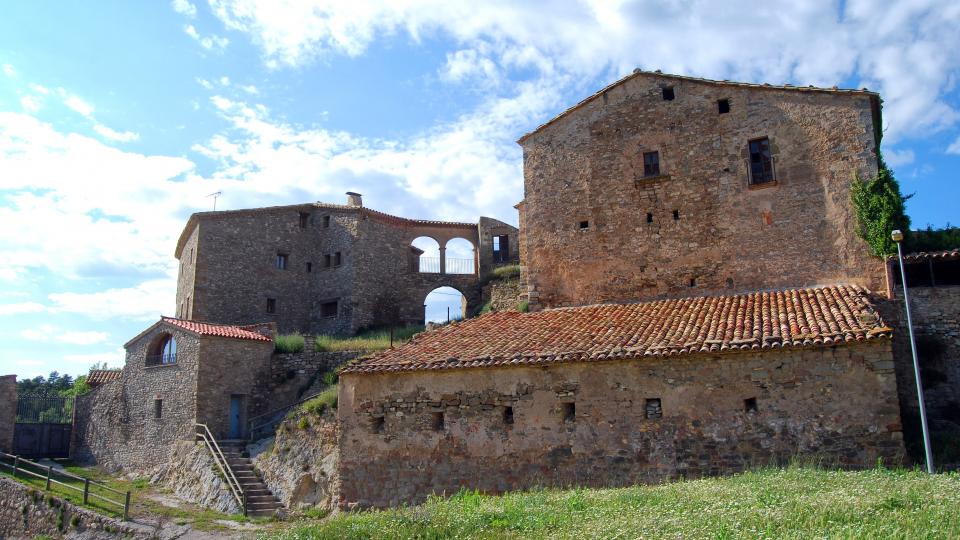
(597,227)
(320,268)
(407,435)
(8,411)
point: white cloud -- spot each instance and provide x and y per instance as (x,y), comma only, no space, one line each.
(48,333)
(115,358)
(8,70)
(184,7)
(955,147)
(31,104)
(145,301)
(250,89)
(79,106)
(212,42)
(83,338)
(39,89)
(20,308)
(896,158)
(205,83)
(43,332)
(107,133)
(225,81)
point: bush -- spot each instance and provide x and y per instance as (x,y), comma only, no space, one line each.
(325,400)
(523,307)
(370,340)
(330,378)
(879,206)
(509,271)
(288,343)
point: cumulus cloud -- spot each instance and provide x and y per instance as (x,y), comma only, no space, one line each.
(81,107)
(20,308)
(954,148)
(184,7)
(145,301)
(212,42)
(107,133)
(896,158)
(31,104)
(8,70)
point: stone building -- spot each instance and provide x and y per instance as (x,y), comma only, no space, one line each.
(616,394)
(323,268)
(178,373)
(662,185)
(8,411)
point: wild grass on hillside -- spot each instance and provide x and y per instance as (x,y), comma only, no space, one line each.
(372,340)
(288,343)
(773,503)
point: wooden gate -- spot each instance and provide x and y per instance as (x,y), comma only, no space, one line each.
(43,428)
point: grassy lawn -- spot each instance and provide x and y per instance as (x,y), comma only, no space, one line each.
(774,503)
(372,340)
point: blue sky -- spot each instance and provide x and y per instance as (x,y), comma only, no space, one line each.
(117,119)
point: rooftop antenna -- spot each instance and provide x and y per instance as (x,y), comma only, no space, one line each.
(215,195)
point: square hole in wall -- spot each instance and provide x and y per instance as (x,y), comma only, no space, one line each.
(437,421)
(508,415)
(377,424)
(649,217)
(584,225)
(568,411)
(667,93)
(676,215)
(693,282)
(653,409)
(723,106)
(750,405)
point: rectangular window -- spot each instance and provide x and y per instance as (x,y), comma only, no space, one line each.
(668,93)
(326,222)
(436,421)
(337,259)
(157,408)
(584,225)
(651,163)
(304,220)
(328,309)
(653,409)
(271,305)
(750,405)
(723,106)
(569,411)
(501,248)
(377,424)
(327,261)
(282,259)
(761,162)
(508,415)
(309,267)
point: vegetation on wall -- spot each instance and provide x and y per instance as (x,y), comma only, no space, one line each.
(370,340)
(931,239)
(288,343)
(880,209)
(55,385)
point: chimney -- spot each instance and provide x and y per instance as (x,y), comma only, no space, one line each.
(354,199)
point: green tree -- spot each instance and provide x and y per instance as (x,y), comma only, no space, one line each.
(880,209)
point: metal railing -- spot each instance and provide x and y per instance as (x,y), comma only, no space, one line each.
(22,466)
(44,410)
(203,434)
(264,425)
(459,266)
(161,359)
(429,265)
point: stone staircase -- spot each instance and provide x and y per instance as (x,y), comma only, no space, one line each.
(260,500)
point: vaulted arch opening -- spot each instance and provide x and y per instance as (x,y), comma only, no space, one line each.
(460,257)
(444,304)
(425,255)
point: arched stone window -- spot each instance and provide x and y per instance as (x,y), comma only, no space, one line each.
(163,351)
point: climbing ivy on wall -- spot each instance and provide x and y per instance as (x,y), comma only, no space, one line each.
(879,206)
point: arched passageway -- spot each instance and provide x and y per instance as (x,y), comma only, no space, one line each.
(444,304)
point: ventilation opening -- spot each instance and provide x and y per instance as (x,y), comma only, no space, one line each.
(569,411)
(723,106)
(676,215)
(309,267)
(653,409)
(508,416)
(668,93)
(693,282)
(584,225)
(649,217)
(157,408)
(377,424)
(750,405)
(326,222)
(271,305)
(436,421)
(304,220)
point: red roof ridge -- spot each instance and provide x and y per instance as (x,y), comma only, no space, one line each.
(804,317)
(218,330)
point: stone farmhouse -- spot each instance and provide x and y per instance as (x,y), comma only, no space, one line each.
(324,268)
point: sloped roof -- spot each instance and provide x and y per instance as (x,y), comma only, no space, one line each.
(219,330)
(101,376)
(711,324)
(928,255)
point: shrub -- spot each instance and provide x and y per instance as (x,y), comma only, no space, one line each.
(508,271)
(325,400)
(879,206)
(523,306)
(303,423)
(330,378)
(288,343)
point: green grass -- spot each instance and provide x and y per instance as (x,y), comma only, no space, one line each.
(288,343)
(371,340)
(325,400)
(510,271)
(796,502)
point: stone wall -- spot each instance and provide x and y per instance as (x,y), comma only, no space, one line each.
(191,474)
(98,428)
(8,411)
(698,226)
(29,513)
(300,464)
(294,376)
(502,294)
(406,435)
(230,368)
(489,228)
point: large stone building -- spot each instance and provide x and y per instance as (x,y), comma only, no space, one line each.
(661,185)
(325,268)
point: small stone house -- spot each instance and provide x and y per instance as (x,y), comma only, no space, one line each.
(616,394)
(178,373)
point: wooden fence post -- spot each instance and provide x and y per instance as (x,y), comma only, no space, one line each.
(86,489)
(126,508)
(49,470)
(16,463)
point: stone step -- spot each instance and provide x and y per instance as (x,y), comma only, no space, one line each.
(261,499)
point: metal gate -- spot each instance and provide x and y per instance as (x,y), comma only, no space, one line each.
(44,426)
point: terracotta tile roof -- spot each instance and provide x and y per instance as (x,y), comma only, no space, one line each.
(927,255)
(658,73)
(101,376)
(760,320)
(219,330)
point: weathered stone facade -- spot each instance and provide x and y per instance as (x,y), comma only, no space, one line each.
(8,411)
(294,376)
(597,227)
(406,435)
(502,294)
(319,268)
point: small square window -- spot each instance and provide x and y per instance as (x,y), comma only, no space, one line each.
(157,408)
(328,309)
(652,409)
(309,267)
(271,305)
(569,411)
(326,222)
(651,163)
(723,106)
(282,259)
(327,261)
(337,259)
(676,215)
(377,424)
(750,405)
(668,93)
(436,421)
(508,415)
(584,225)
(649,217)
(693,282)
(304,220)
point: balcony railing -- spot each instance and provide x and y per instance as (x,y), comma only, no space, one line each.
(459,266)
(429,265)
(161,359)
